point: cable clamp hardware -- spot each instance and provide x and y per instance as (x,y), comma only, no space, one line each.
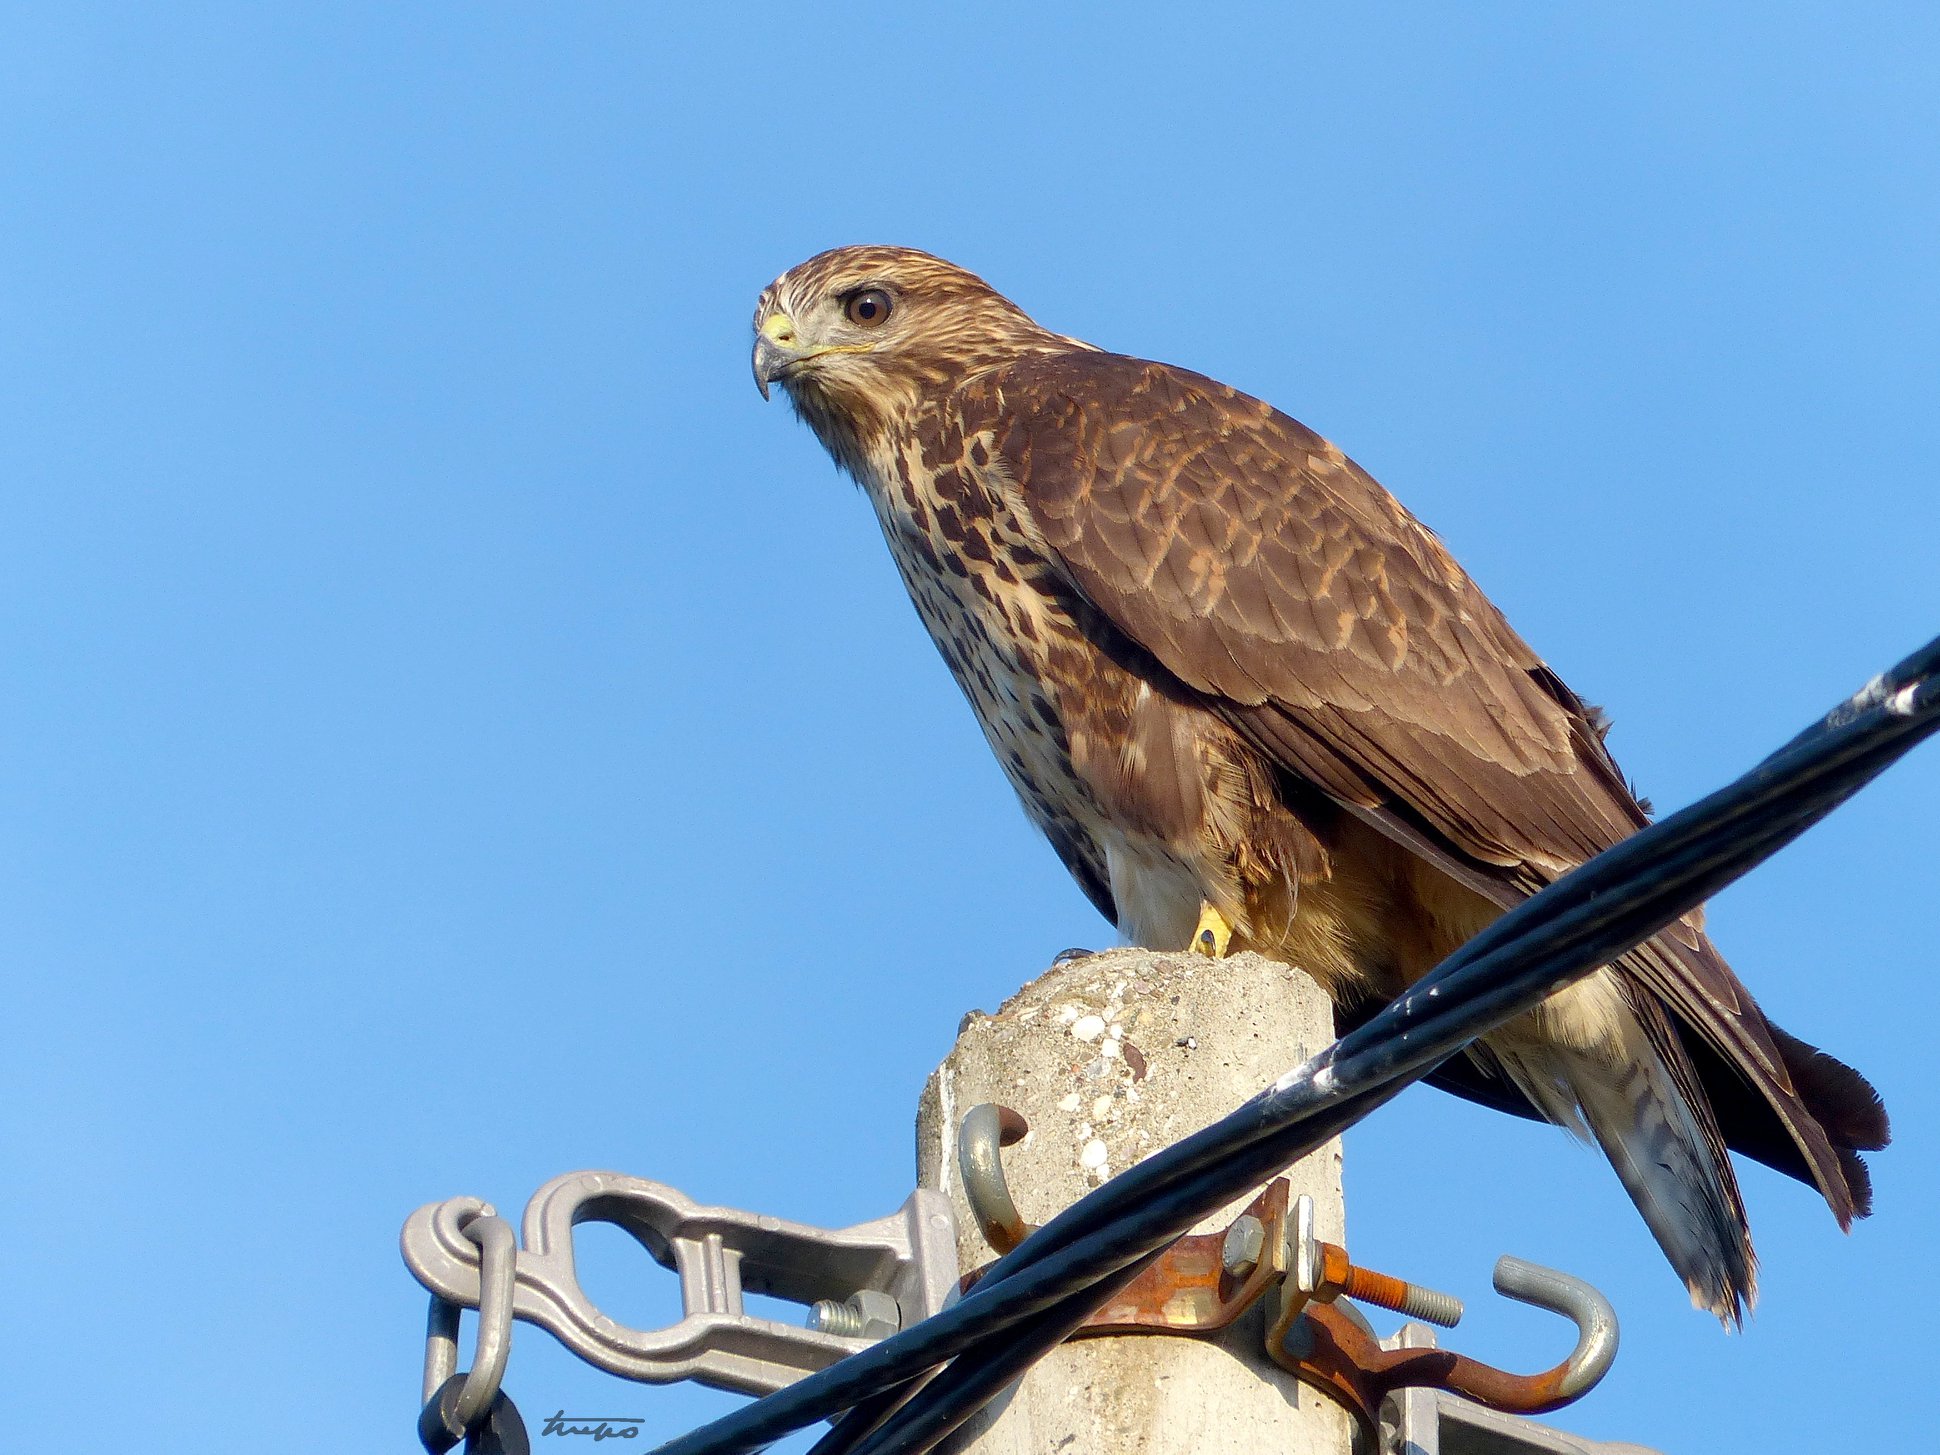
(1203,1282)
(862,1283)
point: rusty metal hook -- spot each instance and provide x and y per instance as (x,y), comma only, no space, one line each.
(1338,1352)
(986,1129)
(1582,1305)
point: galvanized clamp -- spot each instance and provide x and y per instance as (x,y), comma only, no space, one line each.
(863,1283)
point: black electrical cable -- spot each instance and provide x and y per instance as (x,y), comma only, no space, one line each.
(1611,904)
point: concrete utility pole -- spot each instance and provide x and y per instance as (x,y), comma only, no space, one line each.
(1110,1058)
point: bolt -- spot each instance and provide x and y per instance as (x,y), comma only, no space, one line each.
(868,1313)
(1322,1270)
(826,1316)
(1427,1304)
(1245,1241)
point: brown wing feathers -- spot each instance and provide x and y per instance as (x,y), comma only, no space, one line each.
(1264,570)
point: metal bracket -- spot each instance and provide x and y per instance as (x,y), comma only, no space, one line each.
(1190,1289)
(1197,1286)
(1204,1281)
(719,1253)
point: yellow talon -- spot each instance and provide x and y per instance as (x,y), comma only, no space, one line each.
(1213,934)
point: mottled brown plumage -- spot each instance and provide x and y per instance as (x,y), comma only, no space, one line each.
(1223,667)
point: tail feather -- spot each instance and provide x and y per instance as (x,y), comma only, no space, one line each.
(1671,1159)
(1621,1077)
(1846,1105)
(1779,1100)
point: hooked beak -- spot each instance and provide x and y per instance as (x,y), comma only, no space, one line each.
(775,350)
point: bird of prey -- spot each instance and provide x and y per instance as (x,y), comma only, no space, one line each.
(1255,704)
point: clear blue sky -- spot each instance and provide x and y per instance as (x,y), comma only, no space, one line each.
(454,734)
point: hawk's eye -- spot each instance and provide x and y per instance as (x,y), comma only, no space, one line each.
(870,308)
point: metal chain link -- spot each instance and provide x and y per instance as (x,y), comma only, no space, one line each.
(447,1418)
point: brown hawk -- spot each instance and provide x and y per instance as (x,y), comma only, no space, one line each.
(1255,704)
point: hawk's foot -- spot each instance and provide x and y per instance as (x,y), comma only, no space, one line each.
(1212,934)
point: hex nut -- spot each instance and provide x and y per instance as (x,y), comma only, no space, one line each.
(878,1311)
(1245,1242)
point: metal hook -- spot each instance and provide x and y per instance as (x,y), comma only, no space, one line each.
(1337,1350)
(448,1418)
(986,1129)
(1582,1305)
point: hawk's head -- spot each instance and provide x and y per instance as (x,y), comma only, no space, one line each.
(861,336)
